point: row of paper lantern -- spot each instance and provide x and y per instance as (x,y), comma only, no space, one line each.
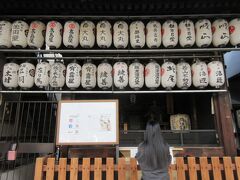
(168,75)
(203,33)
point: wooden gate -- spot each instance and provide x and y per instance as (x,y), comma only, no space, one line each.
(46,168)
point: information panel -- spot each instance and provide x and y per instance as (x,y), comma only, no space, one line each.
(87,122)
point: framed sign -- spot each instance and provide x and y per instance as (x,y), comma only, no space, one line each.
(87,122)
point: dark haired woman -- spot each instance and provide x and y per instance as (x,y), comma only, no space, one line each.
(153,154)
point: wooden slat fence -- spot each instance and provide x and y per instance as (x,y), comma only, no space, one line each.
(185,168)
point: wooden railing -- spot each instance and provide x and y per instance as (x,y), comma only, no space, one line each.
(192,168)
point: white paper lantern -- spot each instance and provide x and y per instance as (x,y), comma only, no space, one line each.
(71,34)
(104,75)
(152,75)
(57,75)
(5,34)
(136,75)
(36,34)
(120,75)
(54,34)
(19,34)
(203,33)
(168,72)
(137,34)
(104,34)
(216,74)
(87,34)
(220,33)
(234,30)
(180,122)
(153,34)
(10,75)
(89,75)
(42,74)
(200,74)
(120,34)
(184,75)
(186,33)
(170,34)
(26,75)
(73,75)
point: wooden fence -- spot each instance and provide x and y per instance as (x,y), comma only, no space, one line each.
(192,168)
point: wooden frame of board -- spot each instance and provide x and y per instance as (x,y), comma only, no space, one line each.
(88,143)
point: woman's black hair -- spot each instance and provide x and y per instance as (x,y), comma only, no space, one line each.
(155,149)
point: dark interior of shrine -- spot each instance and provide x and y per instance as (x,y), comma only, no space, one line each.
(118,7)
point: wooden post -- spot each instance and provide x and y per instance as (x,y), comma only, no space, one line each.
(110,169)
(227,162)
(237,163)
(62,171)
(98,169)
(121,169)
(74,169)
(216,168)
(180,169)
(50,168)
(192,168)
(86,169)
(225,123)
(170,172)
(204,168)
(133,170)
(38,169)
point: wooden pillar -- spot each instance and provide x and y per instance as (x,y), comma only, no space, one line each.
(194,122)
(170,103)
(224,123)
(2,62)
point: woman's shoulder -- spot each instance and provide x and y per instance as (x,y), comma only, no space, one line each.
(140,151)
(141,146)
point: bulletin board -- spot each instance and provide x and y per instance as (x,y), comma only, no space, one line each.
(87,122)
